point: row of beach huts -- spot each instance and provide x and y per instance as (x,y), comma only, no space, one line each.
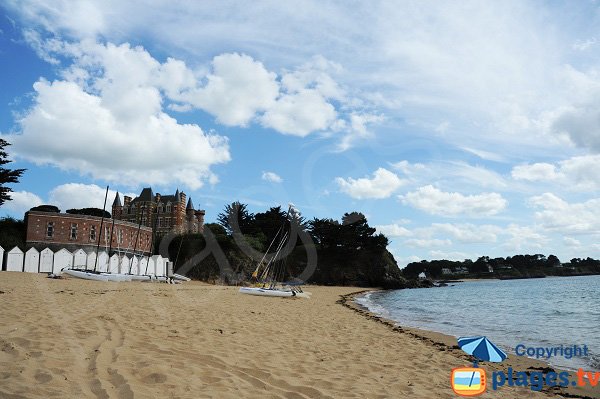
(48,261)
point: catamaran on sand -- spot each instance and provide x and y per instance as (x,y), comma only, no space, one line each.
(271,268)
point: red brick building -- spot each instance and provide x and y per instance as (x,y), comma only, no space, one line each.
(165,213)
(64,230)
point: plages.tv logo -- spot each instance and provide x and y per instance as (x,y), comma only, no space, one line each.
(471,381)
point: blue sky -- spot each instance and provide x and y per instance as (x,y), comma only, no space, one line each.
(460,130)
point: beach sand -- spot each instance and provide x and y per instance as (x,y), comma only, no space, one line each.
(72,338)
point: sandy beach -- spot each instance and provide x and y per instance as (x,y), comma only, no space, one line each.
(81,339)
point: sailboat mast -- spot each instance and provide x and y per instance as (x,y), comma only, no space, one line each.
(137,237)
(101,226)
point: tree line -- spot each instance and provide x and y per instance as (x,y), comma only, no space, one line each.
(349,250)
(518,266)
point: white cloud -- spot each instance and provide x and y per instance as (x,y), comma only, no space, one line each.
(535,172)
(300,114)
(381,185)
(271,177)
(427,243)
(468,233)
(304,105)
(77,195)
(524,239)
(111,126)
(453,255)
(393,230)
(20,203)
(358,129)
(436,202)
(452,174)
(577,173)
(412,58)
(581,124)
(237,89)
(558,215)
(571,242)
(408,168)
(478,175)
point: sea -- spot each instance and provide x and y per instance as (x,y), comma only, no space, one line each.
(549,312)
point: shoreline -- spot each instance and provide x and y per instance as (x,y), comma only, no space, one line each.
(445,342)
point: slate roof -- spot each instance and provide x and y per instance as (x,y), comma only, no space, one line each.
(145,196)
(117,201)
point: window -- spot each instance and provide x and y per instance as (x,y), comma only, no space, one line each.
(160,208)
(92,233)
(119,236)
(168,207)
(50,230)
(73,231)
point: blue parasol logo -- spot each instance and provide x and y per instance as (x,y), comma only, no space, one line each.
(482,348)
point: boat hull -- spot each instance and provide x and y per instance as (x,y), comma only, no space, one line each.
(180,277)
(86,275)
(266,292)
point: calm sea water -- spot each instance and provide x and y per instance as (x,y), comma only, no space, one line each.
(543,312)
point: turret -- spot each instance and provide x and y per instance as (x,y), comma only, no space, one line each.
(189,209)
(117,208)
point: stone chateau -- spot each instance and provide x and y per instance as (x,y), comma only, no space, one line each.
(163,213)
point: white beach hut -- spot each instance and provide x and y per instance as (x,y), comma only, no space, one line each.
(32,261)
(102,262)
(46,260)
(124,265)
(79,259)
(1,258)
(160,265)
(152,266)
(14,260)
(90,260)
(114,263)
(135,262)
(143,266)
(62,259)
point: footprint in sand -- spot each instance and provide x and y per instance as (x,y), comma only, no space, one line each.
(154,378)
(42,377)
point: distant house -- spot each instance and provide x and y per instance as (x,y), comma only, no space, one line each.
(490,269)
(446,271)
(422,276)
(461,270)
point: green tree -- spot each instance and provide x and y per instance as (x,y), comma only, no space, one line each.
(7,176)
(12,233)
(90,212)
(236,212)
(46,208)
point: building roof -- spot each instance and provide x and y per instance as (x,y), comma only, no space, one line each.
(190,205)
(145,196)
(171,198)
(117,201)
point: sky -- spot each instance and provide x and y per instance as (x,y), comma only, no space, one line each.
(460,129)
